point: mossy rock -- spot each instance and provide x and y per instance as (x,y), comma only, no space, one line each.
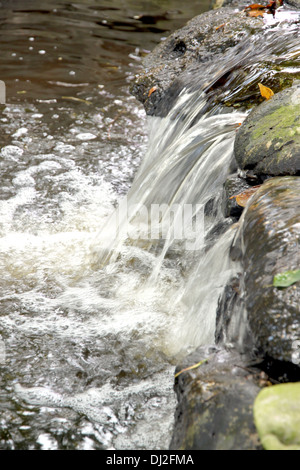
(277,416)
(268,142)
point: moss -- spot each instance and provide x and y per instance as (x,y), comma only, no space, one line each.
(277,417)
(278,124)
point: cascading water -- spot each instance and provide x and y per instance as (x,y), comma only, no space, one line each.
(146,303)
(98,302)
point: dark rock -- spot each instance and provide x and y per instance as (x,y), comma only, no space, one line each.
(232,328)
(294,3)
(215,403)
(215,55)
(269,237)
(204,39)
(234,185)
(268,142)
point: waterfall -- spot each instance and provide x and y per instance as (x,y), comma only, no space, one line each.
(177,196)
(101,300)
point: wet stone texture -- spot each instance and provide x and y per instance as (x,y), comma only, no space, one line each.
(203,40)
(294,3)
(234,185)
(268,142)
(215,402)
(270,237)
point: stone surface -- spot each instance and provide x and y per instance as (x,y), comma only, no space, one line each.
(234,185)
(268,142)
(215,403)
(202,41)
(294,3)
(277,416)
(270,238)
(215,54)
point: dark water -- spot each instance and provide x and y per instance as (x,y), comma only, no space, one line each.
(71,141)
(47,45)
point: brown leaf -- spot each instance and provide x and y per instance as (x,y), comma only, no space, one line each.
(242,198)
(256,9)
(256,13)
(154,88)
(255,6)
(265,91)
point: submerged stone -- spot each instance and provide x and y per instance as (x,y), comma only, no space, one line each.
(277,416)
(268,142)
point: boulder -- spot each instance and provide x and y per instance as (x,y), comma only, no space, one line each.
(203,41)
(215,403)
(268,142)
(277,416)
(269,237)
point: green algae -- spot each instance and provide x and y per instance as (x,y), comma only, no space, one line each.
(277,416)
(279,124)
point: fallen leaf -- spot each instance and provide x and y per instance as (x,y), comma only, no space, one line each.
(256,9)
(154,88)
(265,91)
(243,197)
(286,279)
(255,6)
(256,13)
(194,366)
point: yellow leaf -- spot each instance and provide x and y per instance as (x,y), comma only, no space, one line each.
(265,91)
(194,366)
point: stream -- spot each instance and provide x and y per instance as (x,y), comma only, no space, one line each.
(86,343)
(98,302)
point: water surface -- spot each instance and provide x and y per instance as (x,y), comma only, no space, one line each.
(89,346)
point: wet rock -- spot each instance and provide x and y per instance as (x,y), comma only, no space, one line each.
(234,185)
(203,40)
(277,416)
(215,403)
(294,3)
(268,142)
(232,328)
(269,237)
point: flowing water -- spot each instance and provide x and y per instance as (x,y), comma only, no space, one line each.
(95,309)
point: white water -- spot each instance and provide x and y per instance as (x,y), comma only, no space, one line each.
(95,314)
(136,305)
